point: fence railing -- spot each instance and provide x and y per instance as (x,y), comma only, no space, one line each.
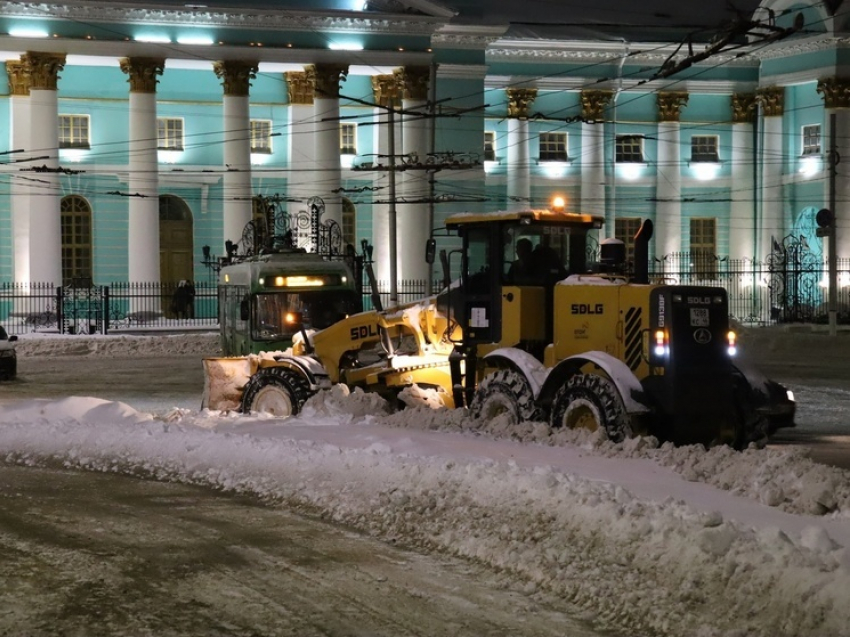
(31,307)
(779,291)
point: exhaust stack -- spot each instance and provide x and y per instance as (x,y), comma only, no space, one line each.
(644,234)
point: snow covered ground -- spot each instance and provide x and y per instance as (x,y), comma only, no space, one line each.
(648,540)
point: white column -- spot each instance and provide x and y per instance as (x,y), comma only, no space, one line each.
(381,211)
(668,184)
(593,173)
(742,209)
(518,155)
(143,227)
(328,77)
(45,229)
(519,166)
(413,220)
(593,182)
(772,225)
(19,129)
(237,76)
(300,87)
(668,191)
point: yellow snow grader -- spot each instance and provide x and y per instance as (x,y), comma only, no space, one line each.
(532,325)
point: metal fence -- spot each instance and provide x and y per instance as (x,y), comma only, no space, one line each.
(787,288)
(76,309)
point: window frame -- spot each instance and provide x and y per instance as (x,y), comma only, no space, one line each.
(347,130)
(73,119)
(622,155)
(489,145)
(554,148)
(164,133)
(76,235)
(703,253)
(261,144)
(809,149)
(625,229)
(705,153)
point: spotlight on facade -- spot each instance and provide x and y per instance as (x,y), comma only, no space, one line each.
(28,32)
(345,46)
(705,171)
(810,166)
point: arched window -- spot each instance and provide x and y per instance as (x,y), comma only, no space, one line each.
(76,240)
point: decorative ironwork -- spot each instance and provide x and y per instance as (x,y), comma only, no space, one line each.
(793,280)
(82,308)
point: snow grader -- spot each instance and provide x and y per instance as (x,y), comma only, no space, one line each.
(571,342)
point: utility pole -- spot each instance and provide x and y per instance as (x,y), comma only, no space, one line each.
(833,259)
(393,213)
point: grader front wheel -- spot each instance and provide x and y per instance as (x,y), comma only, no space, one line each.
(591,402)
(276,391)
(505,391)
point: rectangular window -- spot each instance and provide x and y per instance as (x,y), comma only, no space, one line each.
(74,131)
(629,149)
(811,139)
(553,147)
(489,146)
(704,148)
(261,136)
(347,139)
(169,133)
(625,230)
(704,248)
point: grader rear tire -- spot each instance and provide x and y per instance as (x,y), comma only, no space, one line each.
(505,391)
(276,391)
(591,402)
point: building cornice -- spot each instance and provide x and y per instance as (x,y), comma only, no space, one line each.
(574,83)
(583,51)
(160,15)
(466,37)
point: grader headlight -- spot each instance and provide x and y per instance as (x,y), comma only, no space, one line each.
(731,343)
(662,343)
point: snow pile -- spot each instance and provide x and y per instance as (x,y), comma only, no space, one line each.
(642,565)
(191,344)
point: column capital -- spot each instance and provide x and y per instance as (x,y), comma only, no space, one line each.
(236,76)
(301,86)
(19,77)
(743,108)
(328,77)
(670,104)
(414,81)
(835,91)
(387,90)
(593,103)
(43,68)
(771,100)
(142,72)
(519,101)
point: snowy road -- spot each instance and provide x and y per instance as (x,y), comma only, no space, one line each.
(149,558)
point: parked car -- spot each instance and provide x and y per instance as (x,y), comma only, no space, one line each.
(8,355)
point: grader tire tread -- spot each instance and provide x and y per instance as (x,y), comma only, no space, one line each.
(507,389)
(294,384)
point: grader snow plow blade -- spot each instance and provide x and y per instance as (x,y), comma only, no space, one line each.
(224,380)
